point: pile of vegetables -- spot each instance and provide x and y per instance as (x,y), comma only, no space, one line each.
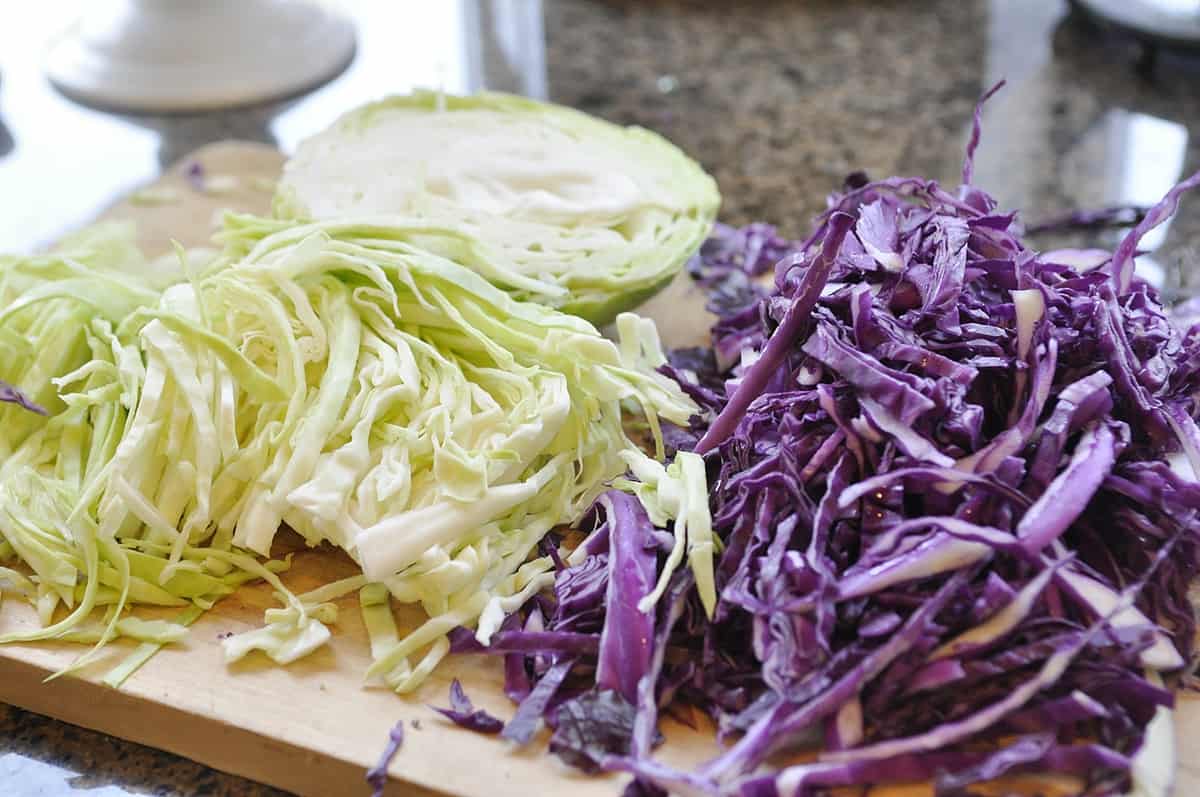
(162,420)
(953,520)
(930,509)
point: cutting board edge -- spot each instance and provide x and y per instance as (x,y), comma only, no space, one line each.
(210,740)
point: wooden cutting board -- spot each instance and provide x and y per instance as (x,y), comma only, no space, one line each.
(313,727)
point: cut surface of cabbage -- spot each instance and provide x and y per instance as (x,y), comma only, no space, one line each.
(584,215)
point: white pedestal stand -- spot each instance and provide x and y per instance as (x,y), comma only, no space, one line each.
(194,55)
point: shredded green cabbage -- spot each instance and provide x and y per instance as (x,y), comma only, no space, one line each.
(379,398)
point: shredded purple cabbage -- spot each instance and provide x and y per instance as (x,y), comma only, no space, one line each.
(463,714)
(11,395)
(195,175)
(954,480)
(592,727)
(626,641)
(377,776)
(730,261)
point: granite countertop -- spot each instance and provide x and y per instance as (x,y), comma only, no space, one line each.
(778,99)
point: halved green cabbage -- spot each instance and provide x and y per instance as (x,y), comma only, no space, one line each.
(565,209)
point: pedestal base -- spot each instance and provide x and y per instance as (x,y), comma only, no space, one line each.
(1175,23)
(167,56)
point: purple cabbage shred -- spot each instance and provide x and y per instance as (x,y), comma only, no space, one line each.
(464,714)
(11,395)
(194,174)
(377,776)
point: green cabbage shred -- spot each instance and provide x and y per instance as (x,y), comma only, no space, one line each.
(361,388)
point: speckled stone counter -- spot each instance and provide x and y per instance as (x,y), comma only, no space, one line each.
(779,99)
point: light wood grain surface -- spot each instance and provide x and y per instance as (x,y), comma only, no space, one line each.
(313,727)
